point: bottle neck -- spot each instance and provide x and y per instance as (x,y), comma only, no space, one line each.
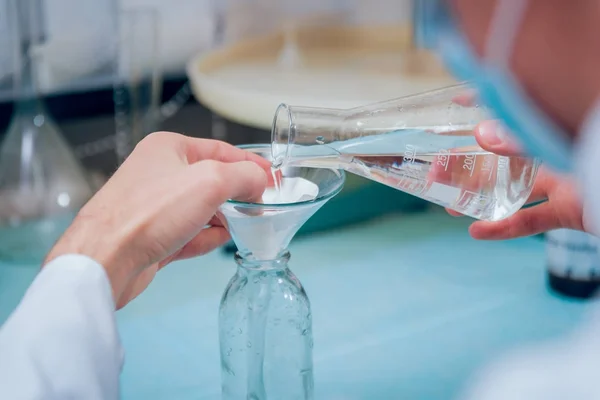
(247,264)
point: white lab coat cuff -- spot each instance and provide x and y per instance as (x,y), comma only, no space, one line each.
(62,340)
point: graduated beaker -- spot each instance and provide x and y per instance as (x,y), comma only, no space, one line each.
(421,144)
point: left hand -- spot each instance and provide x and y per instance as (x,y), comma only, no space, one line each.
(160,206)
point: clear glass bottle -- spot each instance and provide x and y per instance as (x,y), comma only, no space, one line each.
(422,144)
(265,326)
(573,263)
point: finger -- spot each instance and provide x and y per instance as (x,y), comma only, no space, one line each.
(545,182)
(492,136)
(194,150)
(206,149)
(526,222)
(466,99)
(217,182)
(205,242)
(454,213)
(215,221)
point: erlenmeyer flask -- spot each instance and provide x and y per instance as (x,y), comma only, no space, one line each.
(421,144)
(42,184)
(265,323)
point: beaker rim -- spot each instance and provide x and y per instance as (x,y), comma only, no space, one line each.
(320,198)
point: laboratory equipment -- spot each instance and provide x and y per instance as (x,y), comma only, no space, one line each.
(7,59)
(138,84)
(77,51)
(265,324)
(422,144)
(348,53)
(42,184)
(139,78)
(573,263)
(320,53)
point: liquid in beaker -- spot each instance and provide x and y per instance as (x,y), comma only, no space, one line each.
(422,144)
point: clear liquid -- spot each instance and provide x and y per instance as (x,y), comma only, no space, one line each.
(258,306)
(265,330)
(472,181)
(276,180)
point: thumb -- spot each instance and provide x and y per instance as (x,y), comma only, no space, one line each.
(221,181)
(247,181)
(492,136)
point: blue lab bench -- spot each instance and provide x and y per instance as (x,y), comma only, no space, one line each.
(407,307)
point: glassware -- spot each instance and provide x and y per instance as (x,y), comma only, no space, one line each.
(421,144)
(140,65)
(573,263)
(265,323)
(138,86)
(42,184)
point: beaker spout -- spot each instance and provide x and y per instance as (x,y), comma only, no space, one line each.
(303,130)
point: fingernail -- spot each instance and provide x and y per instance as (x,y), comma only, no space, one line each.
(492,133)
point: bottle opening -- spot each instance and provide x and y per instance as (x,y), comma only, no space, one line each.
(251,261)
(282,135)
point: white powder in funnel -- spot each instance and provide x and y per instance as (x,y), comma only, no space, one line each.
(293,190)
(267,230)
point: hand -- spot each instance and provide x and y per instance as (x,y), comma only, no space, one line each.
(160,206)
(563,208)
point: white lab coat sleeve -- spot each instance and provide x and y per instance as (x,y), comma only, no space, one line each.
(61,342)
(560,369)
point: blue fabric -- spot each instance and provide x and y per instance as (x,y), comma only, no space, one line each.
(497,88)
(409,308)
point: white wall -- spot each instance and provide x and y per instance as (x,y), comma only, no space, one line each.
(82,34)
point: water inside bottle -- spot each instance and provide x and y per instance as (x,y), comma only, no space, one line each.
(258,305)
(450,170)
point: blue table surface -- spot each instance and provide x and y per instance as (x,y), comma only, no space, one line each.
(406,307)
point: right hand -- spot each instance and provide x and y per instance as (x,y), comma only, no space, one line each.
(563,208)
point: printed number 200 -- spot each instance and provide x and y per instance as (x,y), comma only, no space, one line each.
(469,161)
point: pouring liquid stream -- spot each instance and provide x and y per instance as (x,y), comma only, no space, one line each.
(471,181)
(275,173)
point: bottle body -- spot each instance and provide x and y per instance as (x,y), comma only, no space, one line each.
(422,144)
(265,334)
(573,261)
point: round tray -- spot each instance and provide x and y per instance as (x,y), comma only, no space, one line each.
(342,67)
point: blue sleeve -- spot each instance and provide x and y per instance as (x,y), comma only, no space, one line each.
(61,342)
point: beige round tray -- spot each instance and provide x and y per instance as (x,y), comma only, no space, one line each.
(342,67)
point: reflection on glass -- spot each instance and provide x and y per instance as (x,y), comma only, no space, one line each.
(42,184)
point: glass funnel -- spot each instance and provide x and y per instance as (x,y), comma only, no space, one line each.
(42,184)
(265,324)
(421,144)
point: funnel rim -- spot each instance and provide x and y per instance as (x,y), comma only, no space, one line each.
(318,199)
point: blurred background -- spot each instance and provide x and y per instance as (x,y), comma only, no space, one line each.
(82,81)
(102,74)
